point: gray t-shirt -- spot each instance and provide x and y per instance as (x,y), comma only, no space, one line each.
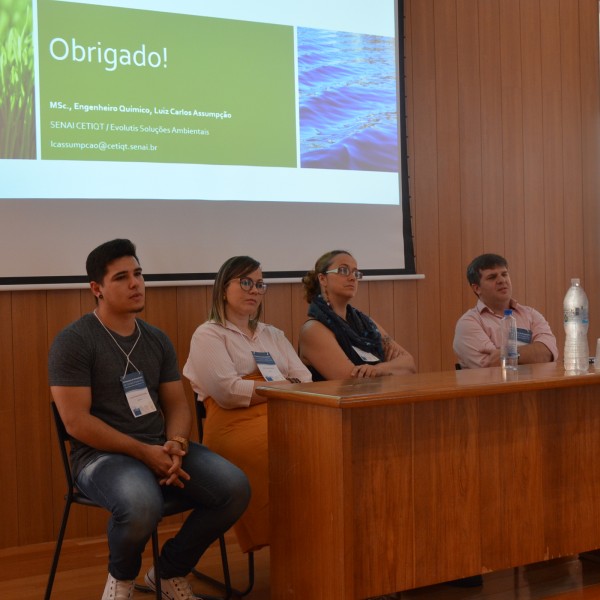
(84,355)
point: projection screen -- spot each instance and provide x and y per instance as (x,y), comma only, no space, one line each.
(201,130)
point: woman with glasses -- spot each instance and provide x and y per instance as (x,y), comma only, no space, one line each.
(338,341)
(230,355)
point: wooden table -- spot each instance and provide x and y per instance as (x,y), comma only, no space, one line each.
(394,483)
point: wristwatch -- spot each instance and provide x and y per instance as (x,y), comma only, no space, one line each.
(185,443)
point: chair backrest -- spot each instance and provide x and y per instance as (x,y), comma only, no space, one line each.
(64,441)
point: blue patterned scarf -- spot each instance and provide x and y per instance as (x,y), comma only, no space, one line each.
(356,330)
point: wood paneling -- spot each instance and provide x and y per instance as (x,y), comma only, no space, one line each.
(32,449)
(512,520)
(446,465)
(9,528)
(533,159)
(372,465)
(323,457)
(503,123)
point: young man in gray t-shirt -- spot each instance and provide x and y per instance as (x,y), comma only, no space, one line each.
(115,382)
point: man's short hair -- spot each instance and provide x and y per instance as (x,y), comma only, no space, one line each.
(99,258)
(481,263)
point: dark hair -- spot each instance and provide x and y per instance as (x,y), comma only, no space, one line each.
(99,258)
(232,268)
(481,263)
(312,287)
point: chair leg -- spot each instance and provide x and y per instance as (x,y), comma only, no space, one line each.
(250,574)
(155,555)
(225,585)
(225,565)
(59,541)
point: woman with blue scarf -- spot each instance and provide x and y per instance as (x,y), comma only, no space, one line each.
(338,341)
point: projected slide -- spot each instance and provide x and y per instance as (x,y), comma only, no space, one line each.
(160,87)
(223,100)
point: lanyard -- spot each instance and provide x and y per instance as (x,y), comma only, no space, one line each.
(126,354)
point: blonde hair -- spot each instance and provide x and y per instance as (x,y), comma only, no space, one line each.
(233,268)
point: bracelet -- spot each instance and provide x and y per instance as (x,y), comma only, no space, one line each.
(185,444)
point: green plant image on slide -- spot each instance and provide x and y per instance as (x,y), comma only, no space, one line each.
(17,99)
(129,85)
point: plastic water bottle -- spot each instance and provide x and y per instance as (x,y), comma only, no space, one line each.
(509,356)
(576,320)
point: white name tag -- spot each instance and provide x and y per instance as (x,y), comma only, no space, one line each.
(267,367)
(138,396)
(366,356)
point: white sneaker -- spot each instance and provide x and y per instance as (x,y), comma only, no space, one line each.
(117,589)
(176,588)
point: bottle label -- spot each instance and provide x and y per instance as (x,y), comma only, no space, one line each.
(576,314)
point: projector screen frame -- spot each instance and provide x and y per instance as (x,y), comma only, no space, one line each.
(170,277)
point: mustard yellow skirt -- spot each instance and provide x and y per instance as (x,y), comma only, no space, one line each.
(240,435)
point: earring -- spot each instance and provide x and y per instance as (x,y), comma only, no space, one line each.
(101,296)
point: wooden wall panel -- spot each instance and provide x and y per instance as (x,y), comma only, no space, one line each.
(503,118)
(193,305)
(512,138)
(534,291)
(590,144)
(33,457)
(570,80)
(554,229)
(470,132)
(381,305)
(450,281)
(299,309)
(9,499)
(406,331)
(425,182)
(491,127)
(277,307)
(161,311)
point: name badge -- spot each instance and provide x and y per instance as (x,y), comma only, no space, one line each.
(138,396)
(267,367)
(524,336)
(366,356)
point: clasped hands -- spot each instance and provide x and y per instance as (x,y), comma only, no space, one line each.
(165,461)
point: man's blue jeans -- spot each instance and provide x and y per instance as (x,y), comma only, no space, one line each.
(217,493)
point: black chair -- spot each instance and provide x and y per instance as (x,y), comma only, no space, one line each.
(74,496)
(226,583)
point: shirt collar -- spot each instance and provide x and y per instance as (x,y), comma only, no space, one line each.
(232,327)
(481,307)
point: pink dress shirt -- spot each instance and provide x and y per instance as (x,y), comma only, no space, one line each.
(221,355)
(479,329)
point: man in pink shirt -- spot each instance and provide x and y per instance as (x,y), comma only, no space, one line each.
(477,335)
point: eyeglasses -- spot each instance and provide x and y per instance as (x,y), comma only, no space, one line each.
(345,272)
(247,284)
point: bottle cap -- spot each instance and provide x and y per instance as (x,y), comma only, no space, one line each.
(507,312)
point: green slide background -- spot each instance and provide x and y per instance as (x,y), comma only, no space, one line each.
(214,65)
